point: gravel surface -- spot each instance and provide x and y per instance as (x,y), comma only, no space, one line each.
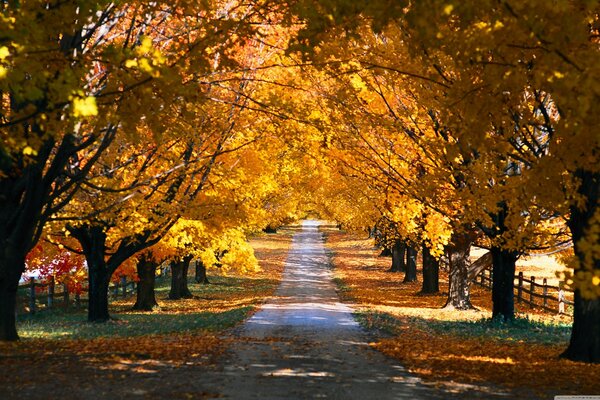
(305,344)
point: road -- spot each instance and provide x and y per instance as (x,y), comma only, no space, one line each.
(305,344)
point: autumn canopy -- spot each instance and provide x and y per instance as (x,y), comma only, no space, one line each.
(134,133)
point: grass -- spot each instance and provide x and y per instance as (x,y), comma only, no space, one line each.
(53,325)
(224,303)
(220,305)
(457,350)
(520,330)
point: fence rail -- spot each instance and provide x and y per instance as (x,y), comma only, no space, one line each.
(35,295)
(530,292)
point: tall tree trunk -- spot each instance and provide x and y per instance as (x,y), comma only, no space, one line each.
(146,270)
(585,334)
(9,283)
(200,276)
(23,198)
(386,252)
(411,265)
(398,251)
(458,258)
(431,272)
(93,241)
(503,275)
(179,273)
(98,281)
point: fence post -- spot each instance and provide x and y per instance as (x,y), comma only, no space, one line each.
(561,300)
(66,295)
(532,289)
(520,288)
(487,276)
(31,295)
(545,293)
(124,284)
(51,292)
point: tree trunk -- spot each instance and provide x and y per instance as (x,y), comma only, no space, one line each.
(179,273)
(9,283)
(99,279)
(270,229)
(398,251)
(146,270)
(431,272)
(503,275)
(411,265)
(201,273)
(385,252)
(458,259)
(92,239)
(585,334)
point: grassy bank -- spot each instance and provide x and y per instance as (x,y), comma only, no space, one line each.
(456,350)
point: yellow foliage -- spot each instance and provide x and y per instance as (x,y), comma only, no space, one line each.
(84,107)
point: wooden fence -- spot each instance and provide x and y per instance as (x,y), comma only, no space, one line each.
(34,295)
(530,292)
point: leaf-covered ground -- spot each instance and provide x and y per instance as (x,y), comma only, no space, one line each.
(452,348)
(145,355)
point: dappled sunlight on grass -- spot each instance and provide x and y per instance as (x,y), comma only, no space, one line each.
(179,333)
(221,304)
(365,279)
(462,347)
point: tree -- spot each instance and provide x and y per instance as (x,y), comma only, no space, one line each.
(491,60)
(146,270)
(49,120)
(411,265)
(142,188)
(431,270)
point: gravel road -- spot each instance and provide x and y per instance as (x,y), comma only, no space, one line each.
(305,344)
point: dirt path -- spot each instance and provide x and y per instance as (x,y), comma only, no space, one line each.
(305,343)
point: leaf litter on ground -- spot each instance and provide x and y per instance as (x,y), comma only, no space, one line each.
(62,355)
(463,347)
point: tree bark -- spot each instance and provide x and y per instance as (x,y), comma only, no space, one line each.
(431,272)
(146,270)
(201,273)
(385,252)
(398,251)
(584,344)
(411,265)
(93,241)
(9,283)
(99,279)
(24,198)
(503,275)
(179,273)
(458,258)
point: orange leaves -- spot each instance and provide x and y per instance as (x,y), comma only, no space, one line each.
(455,349)
(520,367)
